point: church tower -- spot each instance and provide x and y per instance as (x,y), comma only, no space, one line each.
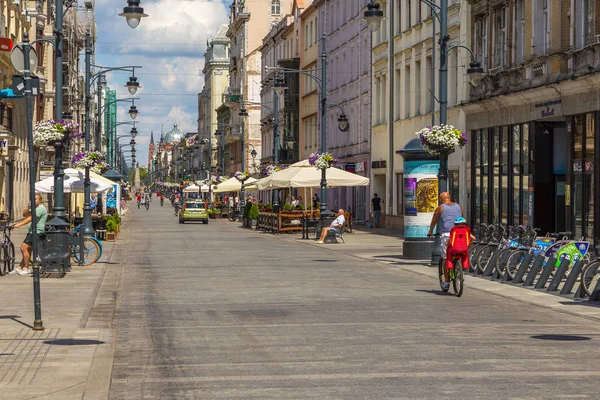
(151,151)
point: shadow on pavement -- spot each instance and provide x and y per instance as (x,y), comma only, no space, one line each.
(15,318)
(73,342)
(562,338)
(430,291)
(582,302)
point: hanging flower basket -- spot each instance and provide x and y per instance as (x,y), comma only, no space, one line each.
(215,180)
(271,169)
(323,160)
(241,176)
(438,138)
(47,132)
(94,160)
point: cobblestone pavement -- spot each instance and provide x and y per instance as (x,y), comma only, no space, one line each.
(219,312)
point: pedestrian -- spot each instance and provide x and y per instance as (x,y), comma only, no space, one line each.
(316,201)
(41,215)
(376,209)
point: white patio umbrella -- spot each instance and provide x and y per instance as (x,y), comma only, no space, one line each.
(72,184)
(304,175)
(191,189)
(234,185)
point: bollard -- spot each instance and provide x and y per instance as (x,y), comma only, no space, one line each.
(596,292)
(548,268)
(573,275)
(523,267)
(559,275)
(535,269)
(489,268)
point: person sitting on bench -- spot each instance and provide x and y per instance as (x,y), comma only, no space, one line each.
(336,226)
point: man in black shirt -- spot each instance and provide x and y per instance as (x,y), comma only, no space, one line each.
(376,209)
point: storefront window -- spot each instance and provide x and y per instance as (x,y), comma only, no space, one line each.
(516,171)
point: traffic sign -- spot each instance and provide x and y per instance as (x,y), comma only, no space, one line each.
(17,57)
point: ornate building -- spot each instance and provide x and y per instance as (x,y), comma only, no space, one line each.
(151,152)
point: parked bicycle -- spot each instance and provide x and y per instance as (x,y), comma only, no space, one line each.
(7,250)
(92,247)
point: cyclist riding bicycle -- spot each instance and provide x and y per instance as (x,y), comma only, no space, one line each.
(162,199)
(176,205)
(458,244)
(139,199)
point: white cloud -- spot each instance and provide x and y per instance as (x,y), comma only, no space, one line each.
(169,45)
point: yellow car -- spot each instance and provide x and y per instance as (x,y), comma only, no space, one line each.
(193,210)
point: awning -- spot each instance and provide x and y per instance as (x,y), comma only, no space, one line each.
(9,94)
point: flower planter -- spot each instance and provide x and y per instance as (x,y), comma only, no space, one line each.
(111,236)
(253,224)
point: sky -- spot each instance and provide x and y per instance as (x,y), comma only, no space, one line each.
(169,45)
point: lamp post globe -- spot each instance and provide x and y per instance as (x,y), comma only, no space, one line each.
(373,16)
(132,85)
(133,112)
(253,153)
(132,143)
(133,132)
(133,13)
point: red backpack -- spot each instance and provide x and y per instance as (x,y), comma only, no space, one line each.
(460,238)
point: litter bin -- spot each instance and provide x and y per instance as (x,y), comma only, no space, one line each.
(54,247)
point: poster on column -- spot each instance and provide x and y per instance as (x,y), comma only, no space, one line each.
(420,196)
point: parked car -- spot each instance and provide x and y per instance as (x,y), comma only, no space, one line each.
(193,210)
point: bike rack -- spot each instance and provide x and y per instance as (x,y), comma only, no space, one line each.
(559,275)
(546,271)
(523,267)
(595,296)
(533,272)
(572,279)
(489,268)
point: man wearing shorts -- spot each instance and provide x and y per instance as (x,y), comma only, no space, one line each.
(26,248)
(336,226)
(447,212)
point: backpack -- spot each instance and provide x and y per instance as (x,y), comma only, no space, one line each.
(460,238)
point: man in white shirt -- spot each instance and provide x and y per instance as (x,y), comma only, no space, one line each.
(336,226)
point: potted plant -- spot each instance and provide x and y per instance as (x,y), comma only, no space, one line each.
(117,219)
(94,160)
(247,208)
(211,213)
(253,214)
(323,160)
(111,230)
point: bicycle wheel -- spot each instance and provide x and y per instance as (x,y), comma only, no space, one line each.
(588,275)
(441,275)
(474,259)
(459,280)
(501,260)
(91,252)
(9,257)
(513,262)
(484,257)
(473,251)
(231,216)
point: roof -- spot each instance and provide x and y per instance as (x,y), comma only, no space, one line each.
(174,135)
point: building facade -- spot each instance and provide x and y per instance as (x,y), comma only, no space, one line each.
(405,86)
(249,23)
(533,116)
(216,80)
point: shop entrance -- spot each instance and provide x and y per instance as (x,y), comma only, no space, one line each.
(550,172)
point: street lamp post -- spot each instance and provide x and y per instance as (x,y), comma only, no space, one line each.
(132,85)
(133,112)
(441,13)
(38,325)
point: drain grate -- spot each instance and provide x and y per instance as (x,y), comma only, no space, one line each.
(22,357)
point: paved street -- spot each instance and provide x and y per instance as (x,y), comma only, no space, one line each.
(218,312)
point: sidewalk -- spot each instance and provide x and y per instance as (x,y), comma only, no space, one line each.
(383,248)
(72,357)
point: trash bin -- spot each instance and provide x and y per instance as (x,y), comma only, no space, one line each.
(54,249)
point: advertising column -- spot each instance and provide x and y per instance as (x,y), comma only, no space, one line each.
(420,196)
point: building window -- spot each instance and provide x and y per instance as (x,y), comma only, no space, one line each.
(481,28)
(409,14)
(584,23)
(520,31)
(275,7)
(541,42)
(499,36)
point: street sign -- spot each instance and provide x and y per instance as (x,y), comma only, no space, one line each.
(6,44)
(17,57)
(3,147)
(18,85)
